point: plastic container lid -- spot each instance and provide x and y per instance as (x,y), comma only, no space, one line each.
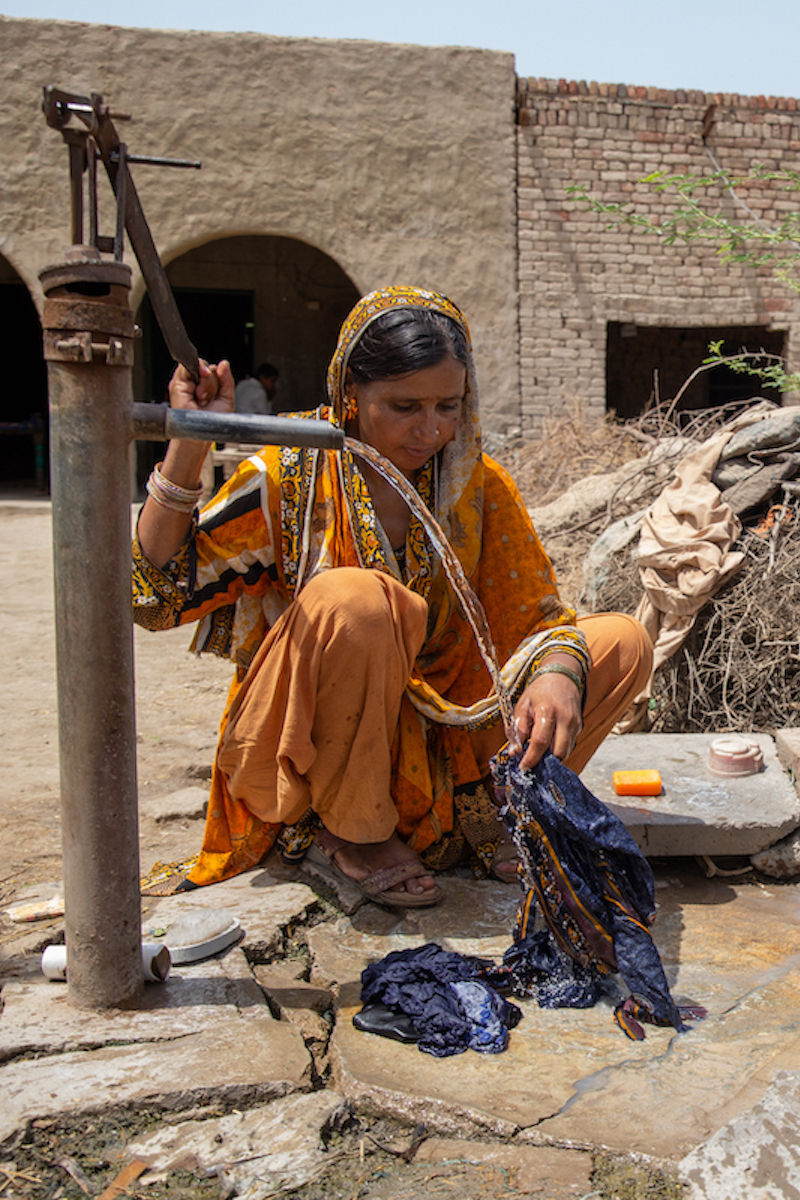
(735,755)
(200,933)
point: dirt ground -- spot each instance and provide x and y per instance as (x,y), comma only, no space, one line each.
(71,1160)
(179,698)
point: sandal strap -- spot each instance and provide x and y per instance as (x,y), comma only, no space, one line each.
(384,880)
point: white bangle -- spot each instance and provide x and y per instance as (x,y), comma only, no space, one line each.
(171,495)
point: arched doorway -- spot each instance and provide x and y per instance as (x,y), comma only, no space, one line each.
(252,299)
(23,396)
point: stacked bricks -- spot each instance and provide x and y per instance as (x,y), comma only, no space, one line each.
(577,274)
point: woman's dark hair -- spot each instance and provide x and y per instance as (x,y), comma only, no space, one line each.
(403,340)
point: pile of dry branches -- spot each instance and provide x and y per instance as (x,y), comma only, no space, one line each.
(739,669)
(581,446)
(570,448)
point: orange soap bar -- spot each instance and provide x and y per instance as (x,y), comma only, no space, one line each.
(637,783)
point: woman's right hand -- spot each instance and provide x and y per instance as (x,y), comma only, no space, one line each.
(213,393)
(161,531)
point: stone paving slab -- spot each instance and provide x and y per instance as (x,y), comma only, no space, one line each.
(206,1014)
(698,812)
(264,902)
(36,1016)
(275,1146)
(755,1155)
(571,1075)
(264,905)
(217,1062)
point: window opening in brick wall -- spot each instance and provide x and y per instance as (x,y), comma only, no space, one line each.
(635,352)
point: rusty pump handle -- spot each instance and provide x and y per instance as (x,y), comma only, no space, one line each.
(94,135)
(59,109)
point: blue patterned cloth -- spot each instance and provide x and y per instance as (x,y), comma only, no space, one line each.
(586,877)
(445,995)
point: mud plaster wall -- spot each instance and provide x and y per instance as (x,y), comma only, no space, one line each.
(576,274)
(396,161)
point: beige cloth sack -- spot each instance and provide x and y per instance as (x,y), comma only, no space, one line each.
(684,557)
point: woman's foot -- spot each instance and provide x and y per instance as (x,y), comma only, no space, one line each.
(387,872)
(505,863)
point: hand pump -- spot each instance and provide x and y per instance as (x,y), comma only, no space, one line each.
(88,341)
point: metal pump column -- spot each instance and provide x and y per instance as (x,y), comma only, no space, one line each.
(88,331)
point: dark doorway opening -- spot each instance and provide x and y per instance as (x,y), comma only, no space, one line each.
(647,362)
(220,323)
(23,397)
(251,299)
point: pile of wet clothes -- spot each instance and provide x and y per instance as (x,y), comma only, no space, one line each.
(437,998)
(588,901)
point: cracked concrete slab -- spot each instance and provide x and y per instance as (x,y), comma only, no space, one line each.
(169,1074)
(264,905)
(264,902)
(571,1075)
(698,812)
(285,988)
(299,1003)
(169,1050)
(36,1017)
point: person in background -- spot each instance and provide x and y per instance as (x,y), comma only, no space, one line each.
(253,394)
(256,393)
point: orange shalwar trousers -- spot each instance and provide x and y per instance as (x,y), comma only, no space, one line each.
(314,720)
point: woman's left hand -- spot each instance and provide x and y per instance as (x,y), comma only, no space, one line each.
(548,717)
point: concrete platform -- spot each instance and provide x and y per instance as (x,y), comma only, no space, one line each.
(702,1101)
(698,812)
(571,1077)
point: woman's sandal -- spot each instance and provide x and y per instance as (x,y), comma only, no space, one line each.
(380,887)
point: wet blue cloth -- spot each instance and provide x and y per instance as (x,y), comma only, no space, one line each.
(536,966)
(446,996)
(586,876)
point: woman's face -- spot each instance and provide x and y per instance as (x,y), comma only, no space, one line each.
(409,418)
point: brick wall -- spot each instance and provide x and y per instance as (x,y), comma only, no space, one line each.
(576,275)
